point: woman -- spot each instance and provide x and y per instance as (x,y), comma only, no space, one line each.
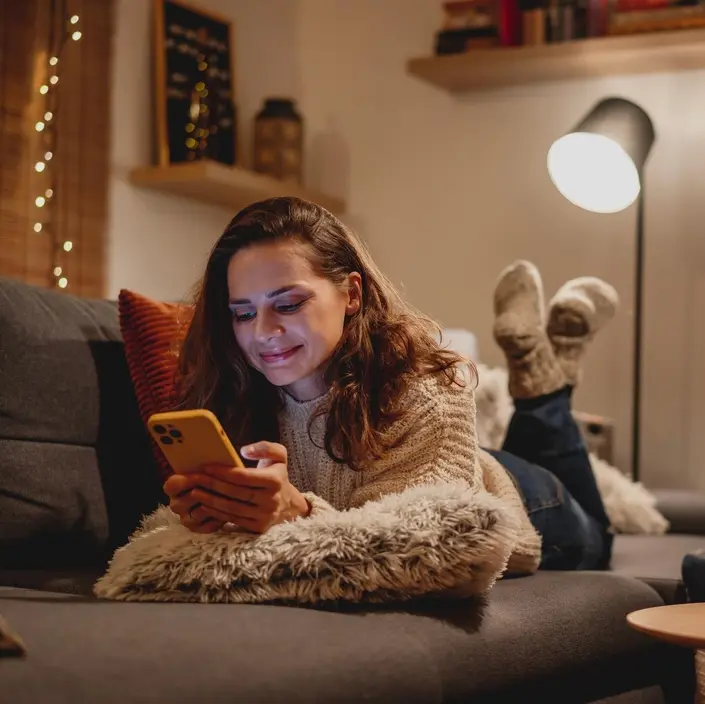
(340,392)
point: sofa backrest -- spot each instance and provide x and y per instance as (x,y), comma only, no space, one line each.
(76,470)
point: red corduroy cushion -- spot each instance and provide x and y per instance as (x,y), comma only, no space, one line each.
(152,332)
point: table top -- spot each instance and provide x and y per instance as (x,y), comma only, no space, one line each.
(682,624)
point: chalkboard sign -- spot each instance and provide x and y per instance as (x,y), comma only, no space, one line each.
(194,85)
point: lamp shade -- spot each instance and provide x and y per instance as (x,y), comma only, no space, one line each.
(598,164)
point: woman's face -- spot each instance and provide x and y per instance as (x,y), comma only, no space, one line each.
(287,319)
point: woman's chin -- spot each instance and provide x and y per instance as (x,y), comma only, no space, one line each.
(281,377)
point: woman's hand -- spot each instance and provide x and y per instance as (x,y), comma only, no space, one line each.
(178,488)
(254,499)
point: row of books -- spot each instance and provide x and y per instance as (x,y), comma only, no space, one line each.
(471,24)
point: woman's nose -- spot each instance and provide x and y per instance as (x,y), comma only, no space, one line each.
(267,326)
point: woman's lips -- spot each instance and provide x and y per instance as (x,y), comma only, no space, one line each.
(282,356)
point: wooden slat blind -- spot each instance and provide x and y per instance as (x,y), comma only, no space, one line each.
(80,167)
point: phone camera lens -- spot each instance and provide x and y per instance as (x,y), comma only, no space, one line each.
(166,440)
(160,429)
(175,433)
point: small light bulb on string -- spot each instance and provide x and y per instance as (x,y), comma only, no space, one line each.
(42,165)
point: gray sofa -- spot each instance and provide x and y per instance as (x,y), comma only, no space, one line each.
(76,474)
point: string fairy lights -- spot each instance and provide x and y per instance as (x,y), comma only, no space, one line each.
(45,128)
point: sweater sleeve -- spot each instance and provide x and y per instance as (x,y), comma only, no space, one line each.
(435,442)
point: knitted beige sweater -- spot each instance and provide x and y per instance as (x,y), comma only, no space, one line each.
(440,444)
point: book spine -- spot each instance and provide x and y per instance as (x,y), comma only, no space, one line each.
(617,26)
(667,13)
(534,26)
(509,23)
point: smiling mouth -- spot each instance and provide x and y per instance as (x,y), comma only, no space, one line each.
(275,357)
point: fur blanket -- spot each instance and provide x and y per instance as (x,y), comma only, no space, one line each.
(426,539)
(630,507)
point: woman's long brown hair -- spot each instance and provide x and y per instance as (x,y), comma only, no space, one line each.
(383,347)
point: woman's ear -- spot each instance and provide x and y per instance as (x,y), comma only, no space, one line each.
(354,293)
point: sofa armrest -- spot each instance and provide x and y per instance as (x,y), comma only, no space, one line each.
(684,509)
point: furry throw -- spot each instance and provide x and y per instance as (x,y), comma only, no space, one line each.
(431,538)
(629,505)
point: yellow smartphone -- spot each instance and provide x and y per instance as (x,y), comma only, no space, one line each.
(191,439)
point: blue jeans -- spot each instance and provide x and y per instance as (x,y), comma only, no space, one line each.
(545,455)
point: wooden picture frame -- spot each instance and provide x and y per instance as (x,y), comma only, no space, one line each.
(194,85)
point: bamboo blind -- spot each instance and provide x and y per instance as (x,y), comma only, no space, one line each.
(80,166)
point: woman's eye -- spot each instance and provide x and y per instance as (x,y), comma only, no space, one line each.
(242,317)
(289,307)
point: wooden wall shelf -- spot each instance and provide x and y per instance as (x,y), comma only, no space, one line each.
(229,187)
(484,69)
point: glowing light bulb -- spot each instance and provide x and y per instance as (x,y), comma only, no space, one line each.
(54,80)
(53,61)
(68,246)
(48,116)
(39,167)
(63,282)
(39,126)
(593,172)
(58,271)
(74,19)
(48,156)
(39,202)
(48,193)
(37,227)
(44,89)
(76,36)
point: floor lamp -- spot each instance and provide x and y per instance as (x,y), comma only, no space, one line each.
(598,166)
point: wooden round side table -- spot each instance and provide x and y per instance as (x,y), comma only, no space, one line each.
(681,624)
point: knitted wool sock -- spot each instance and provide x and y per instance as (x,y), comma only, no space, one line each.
(519,331)
(578,311)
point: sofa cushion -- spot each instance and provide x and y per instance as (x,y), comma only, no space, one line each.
(152,331)
(76,471)
(549,637)
(684,509)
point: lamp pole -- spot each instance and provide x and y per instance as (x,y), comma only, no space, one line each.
(638,332)
(596,147)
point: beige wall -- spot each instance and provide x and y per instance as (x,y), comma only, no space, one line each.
(157,244)
(449,190)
